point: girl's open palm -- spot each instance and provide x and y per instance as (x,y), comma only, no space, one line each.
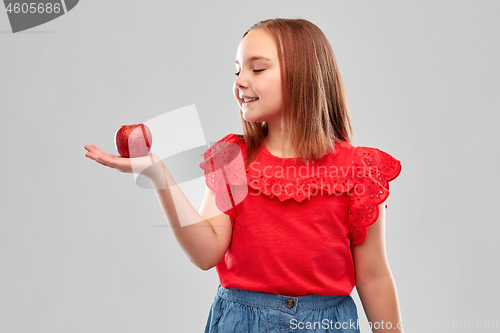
(128,165)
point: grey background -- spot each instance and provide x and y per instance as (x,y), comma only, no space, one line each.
(82,247)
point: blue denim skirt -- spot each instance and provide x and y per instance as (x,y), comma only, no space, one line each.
(243,311)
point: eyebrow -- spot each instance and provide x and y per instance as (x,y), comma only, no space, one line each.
(256,58)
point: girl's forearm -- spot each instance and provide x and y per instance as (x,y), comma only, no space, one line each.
(193,232)
(380,302)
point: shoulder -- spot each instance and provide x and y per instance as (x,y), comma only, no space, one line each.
(229,143)
(386,166)
(233,138)
(365,155)
(223,151)
(341,153)
(226,141)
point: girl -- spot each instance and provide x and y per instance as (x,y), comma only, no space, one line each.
(293,215)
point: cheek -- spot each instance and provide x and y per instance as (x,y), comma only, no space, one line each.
(273,85)
(276,90)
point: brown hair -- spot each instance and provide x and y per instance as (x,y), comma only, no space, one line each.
(314,97)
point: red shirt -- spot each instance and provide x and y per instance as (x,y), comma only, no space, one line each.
(295,224)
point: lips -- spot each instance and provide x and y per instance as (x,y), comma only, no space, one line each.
(248,103)
(248,97)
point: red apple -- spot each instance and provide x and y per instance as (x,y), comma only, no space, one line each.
(133,140)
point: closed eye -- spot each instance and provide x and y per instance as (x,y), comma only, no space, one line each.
(255,71)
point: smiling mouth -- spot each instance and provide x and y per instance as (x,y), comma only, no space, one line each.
(249,102)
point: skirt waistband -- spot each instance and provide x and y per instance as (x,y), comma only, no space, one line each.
(288,304)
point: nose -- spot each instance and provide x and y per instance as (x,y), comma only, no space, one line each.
(241,81)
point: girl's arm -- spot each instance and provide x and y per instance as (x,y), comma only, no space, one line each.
(203,236)
(374,281)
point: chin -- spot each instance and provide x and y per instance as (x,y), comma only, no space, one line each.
(251,118)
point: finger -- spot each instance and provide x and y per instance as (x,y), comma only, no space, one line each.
(103,163)
(108,160)
(91,156)
(95,157)
(92,152)
(96,149)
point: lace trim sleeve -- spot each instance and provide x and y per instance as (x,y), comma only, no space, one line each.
(224,169)
(374,169)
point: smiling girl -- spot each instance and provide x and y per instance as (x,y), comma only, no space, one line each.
(288,247)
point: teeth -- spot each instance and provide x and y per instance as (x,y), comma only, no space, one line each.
(249,99)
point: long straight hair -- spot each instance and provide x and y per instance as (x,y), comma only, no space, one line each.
(314,98)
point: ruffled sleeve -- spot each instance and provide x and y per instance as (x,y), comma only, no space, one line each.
(374,169)
(224,169)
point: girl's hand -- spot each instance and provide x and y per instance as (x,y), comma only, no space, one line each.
(135,165)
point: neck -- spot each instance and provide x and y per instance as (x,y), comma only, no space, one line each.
(274,141)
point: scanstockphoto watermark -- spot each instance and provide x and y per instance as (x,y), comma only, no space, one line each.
(313,180)
(307,170)
(330,324)
(24,15)
(303,189)
(447,324)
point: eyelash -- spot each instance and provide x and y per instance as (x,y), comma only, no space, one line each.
(255,71)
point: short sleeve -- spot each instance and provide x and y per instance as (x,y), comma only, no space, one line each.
(224,170)
(373,170)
